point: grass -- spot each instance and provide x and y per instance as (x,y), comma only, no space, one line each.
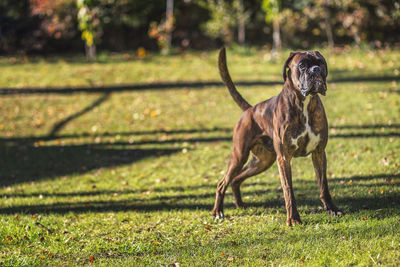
(128,177)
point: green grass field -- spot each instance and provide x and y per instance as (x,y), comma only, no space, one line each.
(96,171)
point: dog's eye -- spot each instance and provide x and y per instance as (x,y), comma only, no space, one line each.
(302,66)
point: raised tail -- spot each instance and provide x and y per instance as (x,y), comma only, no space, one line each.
(226,78)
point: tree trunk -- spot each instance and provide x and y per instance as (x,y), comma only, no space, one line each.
(276,36)
(329,33)
(90,52)
(328,28)
(241,24)
(168,26)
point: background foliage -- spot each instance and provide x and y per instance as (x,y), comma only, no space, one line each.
(38,26)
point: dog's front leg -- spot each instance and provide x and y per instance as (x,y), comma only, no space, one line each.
(319,161)
(285,172)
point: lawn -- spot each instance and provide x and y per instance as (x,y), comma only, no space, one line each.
(116,163)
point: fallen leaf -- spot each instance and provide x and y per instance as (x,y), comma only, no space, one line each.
(91,259)
(208,228)
(156,243)
(364,218)
(142,53)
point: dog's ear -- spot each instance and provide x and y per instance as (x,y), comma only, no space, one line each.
(292,54)
(320,56)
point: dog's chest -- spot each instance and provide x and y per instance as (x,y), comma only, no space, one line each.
(307,140)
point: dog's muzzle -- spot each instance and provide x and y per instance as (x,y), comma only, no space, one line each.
(319,86)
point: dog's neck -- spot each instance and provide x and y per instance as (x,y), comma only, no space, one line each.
(298,101)
(298,98)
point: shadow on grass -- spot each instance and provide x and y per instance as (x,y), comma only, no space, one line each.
(347,204)
(307,195)
(58,126)
(210,186)
(28,163)
(173,85)
(29,140)
(24,160)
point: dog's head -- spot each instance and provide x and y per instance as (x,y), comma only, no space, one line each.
(307,71)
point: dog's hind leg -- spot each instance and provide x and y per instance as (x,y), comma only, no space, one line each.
(234,167)
(242,143)
(259,163)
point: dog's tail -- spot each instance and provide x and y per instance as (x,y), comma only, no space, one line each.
(223,71)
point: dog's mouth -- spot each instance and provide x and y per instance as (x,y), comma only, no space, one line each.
(318,86)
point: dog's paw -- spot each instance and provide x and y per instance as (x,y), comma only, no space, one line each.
(219,215)
(291,221)
(332,210)
(335,212)
(241,205)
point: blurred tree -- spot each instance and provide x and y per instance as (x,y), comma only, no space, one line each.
(273,9)
(242,18)
(225,16)
(222,20)
(16,26)
(162,31)
(318,11)
(89,24)
(57,20)
(48,26)
(327,22)
(169,24)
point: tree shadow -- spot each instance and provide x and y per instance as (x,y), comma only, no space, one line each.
(58,126)
(227,137)
(32,139)
(306,192)
(311,185)
(22,160)
(172,203)
(28,163)
(172,85)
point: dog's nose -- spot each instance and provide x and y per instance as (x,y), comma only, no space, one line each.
(315,69)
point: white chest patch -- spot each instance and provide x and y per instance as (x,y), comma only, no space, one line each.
(313,138)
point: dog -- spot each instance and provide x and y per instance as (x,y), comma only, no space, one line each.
(290,124)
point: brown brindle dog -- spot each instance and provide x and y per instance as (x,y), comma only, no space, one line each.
(291,124)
